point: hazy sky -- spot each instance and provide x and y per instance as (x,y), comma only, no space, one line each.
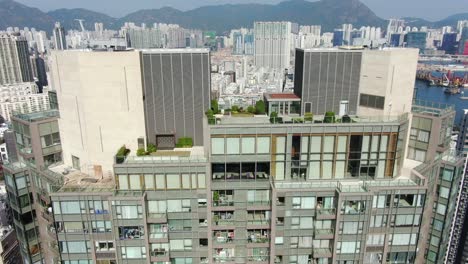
(428,9)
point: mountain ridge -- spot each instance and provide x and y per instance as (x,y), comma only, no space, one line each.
(220,18)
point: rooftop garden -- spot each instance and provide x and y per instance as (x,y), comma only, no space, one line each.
(235,111)
(329,118)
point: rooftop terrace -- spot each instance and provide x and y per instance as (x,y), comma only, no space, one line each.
(315,120)
(37,116)
(177,155)
(431,108)
(77,181)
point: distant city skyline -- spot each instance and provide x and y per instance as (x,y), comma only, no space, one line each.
(432,10)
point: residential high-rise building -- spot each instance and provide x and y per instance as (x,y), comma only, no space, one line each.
(22,98)
(415,39)
(449,43)
(15,65)
(393,26)
(303,189)
(359,81)
(144,38)
(462,142)
(60,42)
(347,29)
(273,44)
(40,72)
(396,40)
(338,36)
(463,41)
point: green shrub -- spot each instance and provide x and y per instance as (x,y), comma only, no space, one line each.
(260,107)
(150,148)
(215,106)
(235,108)
(298,120)
(251,109)
(184,142)
(329,117)
(308,116)
(210,116)
(274,119)
(121,154)
(141,152)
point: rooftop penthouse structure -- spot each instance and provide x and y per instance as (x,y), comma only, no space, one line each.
(281,187)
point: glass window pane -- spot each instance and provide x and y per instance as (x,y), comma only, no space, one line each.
(263,145)
(232,145)
(248,145)
(217,146)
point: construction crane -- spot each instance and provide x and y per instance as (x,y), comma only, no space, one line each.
(81,24)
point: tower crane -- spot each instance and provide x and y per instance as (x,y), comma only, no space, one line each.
(81,24)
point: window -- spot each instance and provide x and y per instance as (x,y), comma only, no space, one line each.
(174,206)
(50,140)
(303,202)
(232,145)
(375,240)
(403,239)
(435,241)
(74,246)
(173,181)
(441,209)
(438,225)
(248,145)
(180,244)
(372,101)
(131,232)
(217,146)
(134,252)
(353,207)
(180,224)
(348,247)
(101,226)
(157,207)
(104,245)
(406,220)
(381,201)
(302,222)
(129,211)
(278,240)
(263,145)
(444,192)
(378,221)
(71,207)
(351,227)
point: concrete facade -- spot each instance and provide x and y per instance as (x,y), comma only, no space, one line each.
(102,92)
(388,73)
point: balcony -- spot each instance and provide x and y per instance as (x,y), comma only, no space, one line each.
(157,218)
(105,254)
(258,236)
(325,213)
(47,216)
(159,255)
(223,237)
(322,253)
(324,233)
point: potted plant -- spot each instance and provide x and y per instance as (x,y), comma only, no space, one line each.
(215,198)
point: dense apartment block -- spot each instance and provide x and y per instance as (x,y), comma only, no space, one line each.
(15,65)
(273,44)
(297,189)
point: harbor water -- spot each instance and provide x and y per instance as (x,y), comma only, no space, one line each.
(436,94)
